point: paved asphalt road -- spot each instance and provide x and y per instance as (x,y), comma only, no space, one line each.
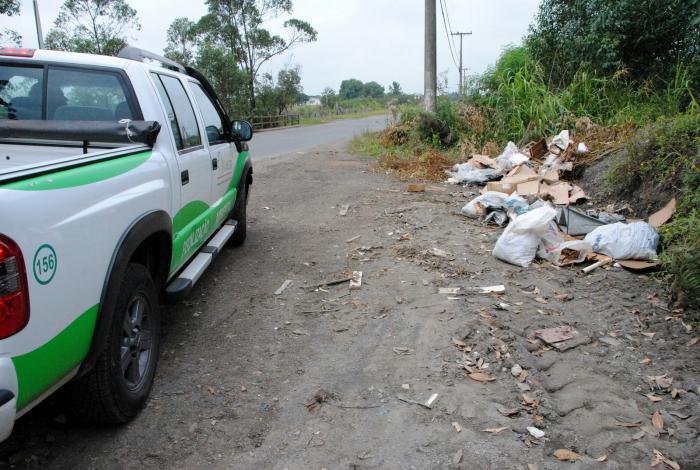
(272,143)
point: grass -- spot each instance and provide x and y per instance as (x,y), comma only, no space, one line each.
(665,158)
(307,121)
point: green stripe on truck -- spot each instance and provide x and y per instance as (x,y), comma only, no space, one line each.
(82,175)
(38,370)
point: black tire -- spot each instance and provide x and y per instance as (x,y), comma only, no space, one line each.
(118,386)
(239,215)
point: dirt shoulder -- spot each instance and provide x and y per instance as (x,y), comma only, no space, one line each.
(315,378)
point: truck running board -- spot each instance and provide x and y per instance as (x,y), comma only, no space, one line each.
(180,287)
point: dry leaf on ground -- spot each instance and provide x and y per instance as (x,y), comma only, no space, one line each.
(659,458)
(653,397)
(649,334)
(456,426)
(602,458)
(566,455)
(657,421)
(675,393)
(694,341)
(481,377)
(645,361)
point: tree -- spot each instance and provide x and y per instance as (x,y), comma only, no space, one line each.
(221,69)
(10,37)
(350,89)
(643,38)
(395,89)
(237,27)
(372,90)
(92,26)
(328,98)
(181,41)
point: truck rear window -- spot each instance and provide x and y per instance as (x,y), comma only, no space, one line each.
(70,94)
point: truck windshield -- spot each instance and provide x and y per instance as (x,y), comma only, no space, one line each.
(70,94)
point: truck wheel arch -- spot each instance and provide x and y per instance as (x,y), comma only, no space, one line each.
(152,230)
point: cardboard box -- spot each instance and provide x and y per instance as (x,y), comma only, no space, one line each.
(500,186)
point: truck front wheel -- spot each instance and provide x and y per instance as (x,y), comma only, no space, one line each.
(119,385)
(239,215)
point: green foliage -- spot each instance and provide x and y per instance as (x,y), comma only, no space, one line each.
(236,28)
(92,26)
(665,159)
(643,38)
(350,89)
(276,98)
(395,89)
(372,90)
(181,41)
(10,37)
(231,83)
(328,98)
(511,61)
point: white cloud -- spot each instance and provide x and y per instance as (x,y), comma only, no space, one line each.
(379,40)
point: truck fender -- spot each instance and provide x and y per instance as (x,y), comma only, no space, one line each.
(152,223)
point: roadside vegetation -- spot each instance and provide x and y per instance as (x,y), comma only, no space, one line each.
(627,89)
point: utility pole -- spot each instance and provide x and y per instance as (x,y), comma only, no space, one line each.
(430,75)
(37,19)
(461,69)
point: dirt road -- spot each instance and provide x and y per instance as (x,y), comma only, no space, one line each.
(329,377)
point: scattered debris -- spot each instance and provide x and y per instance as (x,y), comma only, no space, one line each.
(554,335)
(440,253)
(318,399)
(566,455)
(356,281)
(415,187)
(285,285)
(429,404)
(535,432)
(659,458)
(449,290)
(350,240)
(657,421)
(457,427)
(495,430)
(402,351)
(344,210)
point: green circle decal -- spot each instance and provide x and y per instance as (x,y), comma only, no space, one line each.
(44,264)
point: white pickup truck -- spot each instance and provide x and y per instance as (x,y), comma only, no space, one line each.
(121,178)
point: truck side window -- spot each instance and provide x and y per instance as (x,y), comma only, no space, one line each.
(21,94)
(86,95)
(169,110)
(184,113)
(212,120)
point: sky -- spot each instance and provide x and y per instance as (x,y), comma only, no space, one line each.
(379,40)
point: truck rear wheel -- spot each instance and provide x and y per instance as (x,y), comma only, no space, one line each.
(119,385)
(239,215)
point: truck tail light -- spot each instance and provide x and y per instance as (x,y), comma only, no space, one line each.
(14,296)
(16,52)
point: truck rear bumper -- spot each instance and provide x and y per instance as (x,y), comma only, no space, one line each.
(8,397)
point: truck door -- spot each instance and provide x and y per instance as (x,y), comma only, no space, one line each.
(195,167)
(223,152)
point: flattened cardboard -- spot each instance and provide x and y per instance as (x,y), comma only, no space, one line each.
(500,187)
(528,188)
(559,193)
(551,176)
(485,160)
(637,264)
(657,219)
(577,195)
(538,149)
(517,179)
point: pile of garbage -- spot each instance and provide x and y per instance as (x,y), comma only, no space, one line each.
(522,188)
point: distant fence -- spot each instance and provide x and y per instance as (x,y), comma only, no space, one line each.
(269,122)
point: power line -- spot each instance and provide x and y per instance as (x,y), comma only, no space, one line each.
(448,34)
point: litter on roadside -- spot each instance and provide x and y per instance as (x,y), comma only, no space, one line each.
(285,285)
(554,335)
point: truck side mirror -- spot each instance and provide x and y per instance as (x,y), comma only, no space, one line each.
(241,131)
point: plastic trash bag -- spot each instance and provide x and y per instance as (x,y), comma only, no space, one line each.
(560,252)
(515,205)
(463,173)
(480,205)
(511,157)
(498,217)
(519,241)
(637,240)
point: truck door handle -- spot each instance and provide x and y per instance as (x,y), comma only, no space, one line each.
(185,177)
(214,164)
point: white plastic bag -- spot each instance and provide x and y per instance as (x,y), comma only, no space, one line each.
(480,205)
(466,173)
(519,241)
(637,240)
(511,157)
(552,246)
(515,205)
